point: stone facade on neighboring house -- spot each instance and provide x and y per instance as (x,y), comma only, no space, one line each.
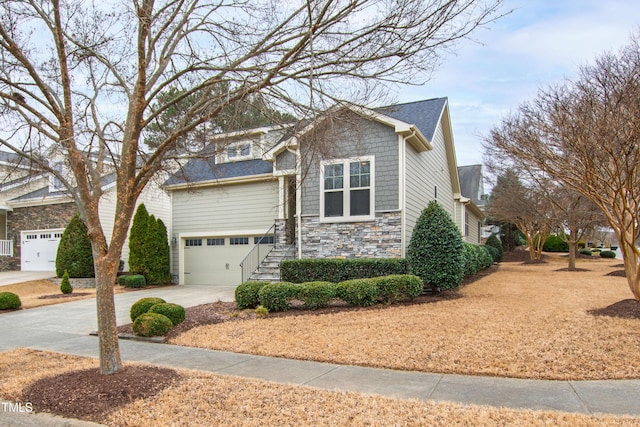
(33,218)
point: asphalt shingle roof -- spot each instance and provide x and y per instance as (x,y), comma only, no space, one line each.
(424,114)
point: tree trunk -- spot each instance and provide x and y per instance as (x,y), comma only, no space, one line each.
(573,249)
(631,260)
(106,271)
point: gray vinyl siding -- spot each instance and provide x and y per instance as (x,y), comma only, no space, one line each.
(237,207)
(424,172)
(286,161)
(373,139)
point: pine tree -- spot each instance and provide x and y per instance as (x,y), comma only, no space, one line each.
(436,249)
(137,238)
(74,251)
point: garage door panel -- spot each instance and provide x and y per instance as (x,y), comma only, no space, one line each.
(39,249)
(212,263)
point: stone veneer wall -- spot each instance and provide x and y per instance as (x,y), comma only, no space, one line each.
(34,218)
(380,238)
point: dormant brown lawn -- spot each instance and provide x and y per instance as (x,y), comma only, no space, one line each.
(523,321)
(198,398)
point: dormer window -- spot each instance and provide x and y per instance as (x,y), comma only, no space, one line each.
(239,151)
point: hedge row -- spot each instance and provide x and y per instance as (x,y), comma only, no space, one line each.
(357,292)
(339,270)
(478,258)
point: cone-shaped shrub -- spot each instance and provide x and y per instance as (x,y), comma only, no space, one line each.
(137,238)
(435,252)
(74,251)
(65,285)
(156,253)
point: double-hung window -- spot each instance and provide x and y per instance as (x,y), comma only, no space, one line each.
(347,189)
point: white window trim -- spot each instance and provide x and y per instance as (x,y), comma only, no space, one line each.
(347,190)
(223,157)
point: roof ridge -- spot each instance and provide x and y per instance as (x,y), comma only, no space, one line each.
(410,102)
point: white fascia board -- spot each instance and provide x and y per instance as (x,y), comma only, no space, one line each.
(218,182)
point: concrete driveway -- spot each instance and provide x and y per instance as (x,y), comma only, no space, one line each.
(11,277)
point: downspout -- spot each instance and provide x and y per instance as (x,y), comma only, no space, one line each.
(402,184)
(299,201)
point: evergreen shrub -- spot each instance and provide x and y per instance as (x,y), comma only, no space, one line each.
(338,270)
(152,325)
(247,294)
(555,243)
(395,287)
(494,242)
(142,306)
(435,252)
(174,312)
(607,254)
(74,251)
(586,252)
(315,295)
(277,296)
(135,281)
(65,284)
(358,292)
(9,301)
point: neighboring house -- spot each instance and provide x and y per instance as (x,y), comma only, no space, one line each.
(352,183)
(34,211)
(472,187)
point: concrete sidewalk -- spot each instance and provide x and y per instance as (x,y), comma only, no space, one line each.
(65,327)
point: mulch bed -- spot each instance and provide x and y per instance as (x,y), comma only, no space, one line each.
(89,395)
(71,295)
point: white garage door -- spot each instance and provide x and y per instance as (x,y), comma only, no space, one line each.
(215,260)
(38,249)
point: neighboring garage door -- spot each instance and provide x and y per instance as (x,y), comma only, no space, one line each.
(38,249)
(215,260)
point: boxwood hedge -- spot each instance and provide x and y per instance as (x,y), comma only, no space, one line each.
(338,270)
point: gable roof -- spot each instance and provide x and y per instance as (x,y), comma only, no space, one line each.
(471,183)
(424,114)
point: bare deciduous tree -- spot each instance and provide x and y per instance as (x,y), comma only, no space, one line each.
(514,202)
(85,80)
(585,134)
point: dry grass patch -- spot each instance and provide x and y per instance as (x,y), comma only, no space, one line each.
(199,398)
(31,293)
(523,321)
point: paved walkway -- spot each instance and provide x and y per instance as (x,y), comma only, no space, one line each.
(66,327)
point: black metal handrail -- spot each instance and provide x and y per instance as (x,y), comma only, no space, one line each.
(260,251)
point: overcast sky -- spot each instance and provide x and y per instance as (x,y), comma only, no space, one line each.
(540,43)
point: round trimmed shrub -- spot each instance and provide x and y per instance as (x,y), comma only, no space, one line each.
(435,252)
(555,243)
(486,260)
(174,312)
(397,286)
(317,294)
(358,292)
(152,325)
(135,281)
(607,254)
(142,306)
(277,296)
(586,252)
(65,284)
(121,279)
(247,294)
(9,301)
(495,255)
